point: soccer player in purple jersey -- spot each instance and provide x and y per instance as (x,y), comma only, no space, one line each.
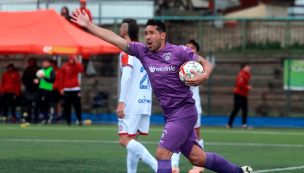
(162,62)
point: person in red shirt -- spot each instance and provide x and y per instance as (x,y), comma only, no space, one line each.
(70,88)
(83,4)
(10,89)
(241,90)
(56,94)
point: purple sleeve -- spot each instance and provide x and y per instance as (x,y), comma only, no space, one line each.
(137,49)
(188,54)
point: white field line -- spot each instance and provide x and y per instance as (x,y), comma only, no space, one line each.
(156,130)
(149,142)
(279,169)
(152,142)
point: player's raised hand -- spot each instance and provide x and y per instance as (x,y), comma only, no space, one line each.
(80,17)
(197,79)
(120,110)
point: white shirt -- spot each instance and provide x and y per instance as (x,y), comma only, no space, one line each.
(196,96)
(135,90)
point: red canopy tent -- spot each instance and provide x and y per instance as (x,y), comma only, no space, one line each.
(47,32)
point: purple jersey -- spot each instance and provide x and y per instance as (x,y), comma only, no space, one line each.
(162,68)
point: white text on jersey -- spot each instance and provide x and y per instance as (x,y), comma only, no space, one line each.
(153,69)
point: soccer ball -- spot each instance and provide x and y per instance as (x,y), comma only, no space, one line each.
(184,71)
(39,73)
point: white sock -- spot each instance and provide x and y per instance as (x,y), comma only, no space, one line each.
(201,142)
(132,162)
(175,159)
(142,153)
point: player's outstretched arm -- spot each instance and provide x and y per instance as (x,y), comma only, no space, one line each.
(200,77)
(82,19)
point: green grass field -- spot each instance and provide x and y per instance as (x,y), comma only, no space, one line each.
(95,148)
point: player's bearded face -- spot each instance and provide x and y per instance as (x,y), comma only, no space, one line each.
(153,38)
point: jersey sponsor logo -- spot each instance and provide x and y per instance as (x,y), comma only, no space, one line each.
(153,69)
(144,100)
(167,56)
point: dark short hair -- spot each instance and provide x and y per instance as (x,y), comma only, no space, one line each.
(133,28)
(54,62)
(244,64)
(160,25)
(48,60)
(65,8)
(11,65)
(32,59)
(195,44)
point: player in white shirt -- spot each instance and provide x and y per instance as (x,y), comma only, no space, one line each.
(135,101)
(194,46)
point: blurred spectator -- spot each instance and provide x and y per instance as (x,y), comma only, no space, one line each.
(65,14)
(45,81)
(241,90)
(264,108)
(83,4)
(70,88)
(10,89)
(31,94)
(56,94)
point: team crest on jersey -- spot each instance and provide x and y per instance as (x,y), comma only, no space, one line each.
(167,56)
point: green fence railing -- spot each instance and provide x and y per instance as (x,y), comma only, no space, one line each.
(234,35)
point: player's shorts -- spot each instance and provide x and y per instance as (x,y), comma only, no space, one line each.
(179,134)
(133,124)
(56,96)
(198,122)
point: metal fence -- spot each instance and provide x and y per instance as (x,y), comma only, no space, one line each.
(264,43)
(229,34)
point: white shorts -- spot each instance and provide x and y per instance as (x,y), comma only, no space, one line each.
(132,124)
(198,122)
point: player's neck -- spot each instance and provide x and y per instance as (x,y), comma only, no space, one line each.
(161,46)
(126,37)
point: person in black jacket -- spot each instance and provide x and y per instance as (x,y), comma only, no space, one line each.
(32,90)
(65,14)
